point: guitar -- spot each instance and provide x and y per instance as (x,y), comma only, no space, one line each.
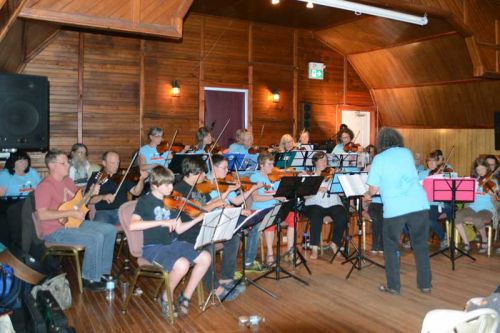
(79,203)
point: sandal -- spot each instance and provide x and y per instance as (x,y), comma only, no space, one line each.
(165,309)
(183,303)
(385,289)
(334,247)
(270,261)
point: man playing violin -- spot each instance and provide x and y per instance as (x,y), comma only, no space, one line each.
(98,238)
(108,200)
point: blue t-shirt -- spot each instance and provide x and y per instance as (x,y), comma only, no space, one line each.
(339,149)
(151,155)
(15,185)
(483,201)
(236,148)
(393,172)
(214,194)
(258,178)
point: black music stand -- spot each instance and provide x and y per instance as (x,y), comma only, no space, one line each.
(294,189)
(344,162)
(452,190)
(217,226)
(357,259)
(242,229)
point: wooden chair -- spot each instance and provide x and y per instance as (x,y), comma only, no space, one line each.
(327,220)
(61,250)
(144,267)
(489,230)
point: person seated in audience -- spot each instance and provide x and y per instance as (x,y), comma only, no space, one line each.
(106,201)
(324,204)
(161,244)
(98,238)
(203,140)
(436,208)
(18,178)
(80,167)
(264,198)
(481,211)
(244,140)
(194,172)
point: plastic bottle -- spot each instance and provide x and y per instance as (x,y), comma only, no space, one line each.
(306,241)
(110,289)
(253,320)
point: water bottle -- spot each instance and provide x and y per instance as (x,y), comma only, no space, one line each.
(110,289)
(306,241)
(253,320)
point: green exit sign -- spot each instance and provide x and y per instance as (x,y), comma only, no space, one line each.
(316,70)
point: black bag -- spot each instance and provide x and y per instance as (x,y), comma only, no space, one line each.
(55,319)
(11,289)
(34,321)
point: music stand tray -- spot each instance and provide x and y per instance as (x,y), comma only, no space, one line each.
(451,190)
(284,160)
(234,161)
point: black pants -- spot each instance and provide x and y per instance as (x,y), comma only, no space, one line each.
(376,210)
(418,223)
(317,213)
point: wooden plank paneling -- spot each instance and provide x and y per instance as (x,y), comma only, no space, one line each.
(111,94)
(273,45)
(457,105)
(469,143)
(420,63)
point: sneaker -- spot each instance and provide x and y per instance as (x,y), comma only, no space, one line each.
(426,290)
(230,295)
(95,286)
(443,244)
(237,275)
(255,267)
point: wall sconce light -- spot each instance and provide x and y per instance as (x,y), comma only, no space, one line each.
(176,89)
(276,95)
(310,4)
(275,2)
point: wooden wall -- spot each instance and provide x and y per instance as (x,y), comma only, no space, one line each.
(107,90)
(469,143)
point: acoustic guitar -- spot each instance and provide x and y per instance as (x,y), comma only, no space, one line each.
(79,203)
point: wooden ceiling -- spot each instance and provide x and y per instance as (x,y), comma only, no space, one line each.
(431,76)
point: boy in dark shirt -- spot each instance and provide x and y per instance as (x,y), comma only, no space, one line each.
(161,245)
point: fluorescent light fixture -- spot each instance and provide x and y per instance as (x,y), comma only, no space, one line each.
(359,9)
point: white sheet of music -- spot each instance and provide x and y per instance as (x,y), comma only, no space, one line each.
(354,185)
(218,226)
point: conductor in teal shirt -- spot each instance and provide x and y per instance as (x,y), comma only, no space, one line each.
(394,176)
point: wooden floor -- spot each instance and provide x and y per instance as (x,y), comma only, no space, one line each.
(329,304)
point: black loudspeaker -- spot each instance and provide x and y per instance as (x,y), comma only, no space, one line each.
(497,130)
(306,109)
(24,112)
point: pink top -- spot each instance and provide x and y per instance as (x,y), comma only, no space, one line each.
(50,194)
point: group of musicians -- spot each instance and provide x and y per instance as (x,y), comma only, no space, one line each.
(395,201)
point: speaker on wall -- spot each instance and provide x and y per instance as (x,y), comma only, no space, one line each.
(306,109)
(24,112)
(497,130)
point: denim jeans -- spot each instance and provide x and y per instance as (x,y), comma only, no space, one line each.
(107,216)
(418,223)
(228,265)
(99,241)
(435,227)
(252,244)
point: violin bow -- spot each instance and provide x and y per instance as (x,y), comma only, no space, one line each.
(126,173)
(218,137)
(442,166)
(210,156)
(241,188)
(171,144)
(187,197)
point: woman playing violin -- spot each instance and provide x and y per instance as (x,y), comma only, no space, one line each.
(244,140)
(441,161)
(346,136)
(203,140)
(324,204)
(481,211)
(264,198)
(436,208)
(149,157)
(304,138)
(287,143)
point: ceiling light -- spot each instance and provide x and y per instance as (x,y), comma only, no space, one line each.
(370,10)
(275,2)
(310,4)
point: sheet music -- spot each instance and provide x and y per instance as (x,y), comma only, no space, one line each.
(254,218)
(354,185)
(217,226)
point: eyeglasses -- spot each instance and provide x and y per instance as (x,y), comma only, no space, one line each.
(60,162)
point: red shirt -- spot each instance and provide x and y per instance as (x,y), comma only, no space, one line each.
(50,194)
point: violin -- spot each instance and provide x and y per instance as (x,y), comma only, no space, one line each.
(175,201)
(162,147)
(277,174)
(210,185)
(214,148)
(328,173)
(487,184)
(352,147)
(440,169)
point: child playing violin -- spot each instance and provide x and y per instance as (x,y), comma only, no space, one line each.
(263,198)
(481,211)
(161,244)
